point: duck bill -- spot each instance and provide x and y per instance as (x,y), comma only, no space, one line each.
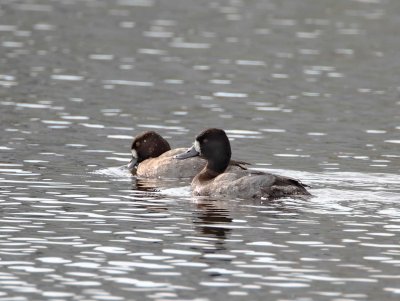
(132,164)
(191,152)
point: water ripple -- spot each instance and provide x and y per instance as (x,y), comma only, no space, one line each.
(82,78)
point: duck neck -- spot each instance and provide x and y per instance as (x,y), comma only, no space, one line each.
(218,166)
(213,169)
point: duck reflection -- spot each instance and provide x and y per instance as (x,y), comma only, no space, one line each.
(211,216)
(155,185)
(144,185)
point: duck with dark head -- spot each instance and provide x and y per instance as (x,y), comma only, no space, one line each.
(215,180)
(152,157)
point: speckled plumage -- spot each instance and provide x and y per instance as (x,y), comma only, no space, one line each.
(166,166)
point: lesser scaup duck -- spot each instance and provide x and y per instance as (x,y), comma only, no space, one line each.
(215,180)
(152,157)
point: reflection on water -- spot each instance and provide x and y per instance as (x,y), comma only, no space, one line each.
(210,220)
(106,241)
(310,88)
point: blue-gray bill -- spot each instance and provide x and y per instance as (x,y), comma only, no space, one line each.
(132,164)
(191,152)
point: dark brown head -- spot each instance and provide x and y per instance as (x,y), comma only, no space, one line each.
(212,145)
(147,145)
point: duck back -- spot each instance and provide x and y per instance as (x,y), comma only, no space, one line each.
(248,184)
(166,166)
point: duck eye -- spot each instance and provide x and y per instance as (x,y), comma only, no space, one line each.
(205,140)
(137,144)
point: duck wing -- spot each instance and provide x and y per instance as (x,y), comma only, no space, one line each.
(285,186)
(239,164)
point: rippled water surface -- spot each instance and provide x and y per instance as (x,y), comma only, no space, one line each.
(308,89)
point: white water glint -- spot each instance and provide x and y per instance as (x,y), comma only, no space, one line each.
(291,84)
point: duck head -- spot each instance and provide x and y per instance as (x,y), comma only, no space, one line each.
(212,145)
(147,145)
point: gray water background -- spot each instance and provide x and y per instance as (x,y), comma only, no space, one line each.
(305,88)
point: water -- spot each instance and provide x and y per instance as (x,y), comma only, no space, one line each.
(307,89)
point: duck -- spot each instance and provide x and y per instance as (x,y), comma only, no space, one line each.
(152,157)
(215,180)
